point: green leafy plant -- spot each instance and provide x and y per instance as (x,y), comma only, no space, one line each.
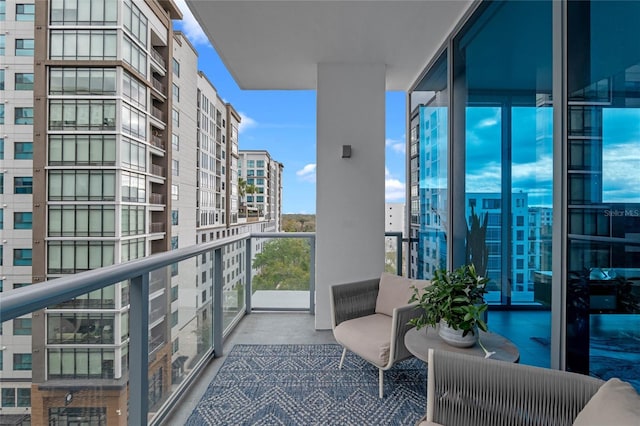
(456,297)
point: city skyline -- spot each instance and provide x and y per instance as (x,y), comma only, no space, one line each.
(286,127)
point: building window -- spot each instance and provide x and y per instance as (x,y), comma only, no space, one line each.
(134,56)
(22,257)
(24,397)
(25,12)
(135,22)
(174,243)
(23,185)
(1,149)
(175,116)
(134,187)
(134,90)
(2,44)
(24,115)
(175,142)
(22,327)
(24,47)
(175,167)
(21,362)
(84,81)
(2,114)
(80,363)
(82,149)
(176,93)
(132,249)
(82,185)
(1,79)
(1,218)
(9,396)
(69,257)
(174,217)
(132,221)
(23,150)
(3,9)
(84,44)
(104,12)
(82,114)
(175,193)
(174,293)
(24,81)
(174,318)
(22,220)
(176,67)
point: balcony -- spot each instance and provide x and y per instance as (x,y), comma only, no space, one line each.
(157,57)
(203,315)
(157,113)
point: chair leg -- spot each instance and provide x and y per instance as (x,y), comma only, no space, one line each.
(380,382)
(344,353)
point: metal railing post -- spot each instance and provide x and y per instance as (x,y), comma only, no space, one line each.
(218,304)
(247,287)
(399,253)
(139,350)
(312,275)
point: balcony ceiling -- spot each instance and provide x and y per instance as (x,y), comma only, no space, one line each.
(277,44)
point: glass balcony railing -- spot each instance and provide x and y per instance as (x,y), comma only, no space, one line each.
(128,339)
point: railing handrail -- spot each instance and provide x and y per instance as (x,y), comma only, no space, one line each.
(24,300)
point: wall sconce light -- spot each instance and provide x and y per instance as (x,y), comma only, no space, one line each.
(346,151)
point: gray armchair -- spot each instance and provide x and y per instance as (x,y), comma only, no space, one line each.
(370,319)
(467,390)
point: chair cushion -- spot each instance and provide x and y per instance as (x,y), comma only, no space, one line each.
(368,336)
(394,292)
(615,403)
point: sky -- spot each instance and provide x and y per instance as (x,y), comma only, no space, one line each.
(284,124)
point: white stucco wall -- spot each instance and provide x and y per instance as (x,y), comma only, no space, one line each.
(350,191)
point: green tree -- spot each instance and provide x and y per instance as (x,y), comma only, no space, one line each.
(283,264)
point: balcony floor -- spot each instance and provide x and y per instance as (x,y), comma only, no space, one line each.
(257,328)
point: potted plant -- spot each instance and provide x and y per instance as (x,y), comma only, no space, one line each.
(454,301)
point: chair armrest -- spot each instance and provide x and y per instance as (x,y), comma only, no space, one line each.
(465,390)
(400,326)
(353,300)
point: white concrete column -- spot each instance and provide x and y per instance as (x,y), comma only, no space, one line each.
(349,191)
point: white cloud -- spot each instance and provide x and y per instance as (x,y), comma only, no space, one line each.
(190,25)
(307,173)
(394,189)
(246,122)
(396,145)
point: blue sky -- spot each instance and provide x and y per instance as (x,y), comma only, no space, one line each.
(284,123)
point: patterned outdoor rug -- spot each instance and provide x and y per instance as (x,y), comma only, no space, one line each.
(301,385)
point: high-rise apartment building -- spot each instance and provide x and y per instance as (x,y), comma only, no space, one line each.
(113,146)
(16,186)
(263,187)
(103,191)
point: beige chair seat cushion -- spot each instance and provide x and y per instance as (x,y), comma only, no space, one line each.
(615,403)
(368,336)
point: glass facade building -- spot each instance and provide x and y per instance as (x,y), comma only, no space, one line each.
(523,160)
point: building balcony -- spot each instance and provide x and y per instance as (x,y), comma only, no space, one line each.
(156,198)
(159,60)
(156,140)
(203,315)
(157,113)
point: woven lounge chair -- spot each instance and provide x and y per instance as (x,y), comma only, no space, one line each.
(370,319)
(466,390)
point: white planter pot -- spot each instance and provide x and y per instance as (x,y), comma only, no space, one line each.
(454,337)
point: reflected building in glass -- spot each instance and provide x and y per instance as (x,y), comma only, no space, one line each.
(540,104)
